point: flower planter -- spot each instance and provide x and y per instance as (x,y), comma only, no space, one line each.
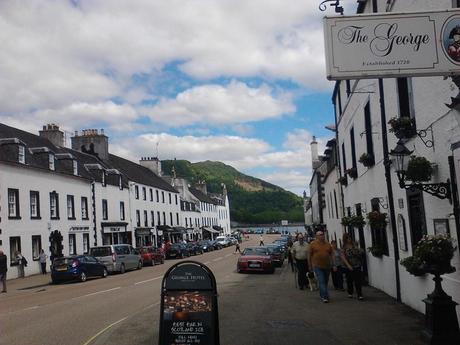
(419,169)
(343,181)
(402,127)
(376,251)
(353,172)
(377,220)
(367,160)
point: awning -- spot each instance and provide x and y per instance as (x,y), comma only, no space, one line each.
(179,230)
(217,227)
(210,230)
(164,228)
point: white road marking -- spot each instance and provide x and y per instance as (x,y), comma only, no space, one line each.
(102,331)
(217,259)
(32,308)
(98,292)
(148,280)
(151,306)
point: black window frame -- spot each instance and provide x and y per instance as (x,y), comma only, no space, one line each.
(158,195)
(152,216)
(344,157)
(88,246)
(144,193)
(151,194)
(158,218)
(368,129)
(34,238)
(73,251)
(84,207)
(146,219)
(17,209)
(138,218)
(136,192)
(122,210)
(54,195)
(353,147)
(71,198)
(13,261)
(105,209)
(379,237)
(37,194)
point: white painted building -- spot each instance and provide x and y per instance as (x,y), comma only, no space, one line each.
(65,201)
(359,130)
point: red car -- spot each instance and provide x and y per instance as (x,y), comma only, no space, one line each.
(256,259)
(152,256)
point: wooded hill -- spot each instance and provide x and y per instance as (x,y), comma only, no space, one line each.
(252,200)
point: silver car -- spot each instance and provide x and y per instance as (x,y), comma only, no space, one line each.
(118,257)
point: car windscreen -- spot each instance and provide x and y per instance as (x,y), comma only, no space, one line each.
(274,249)
(100,251)
(255,251)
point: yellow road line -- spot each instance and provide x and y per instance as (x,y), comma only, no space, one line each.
(102,331)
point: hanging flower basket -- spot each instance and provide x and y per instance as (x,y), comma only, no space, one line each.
(343,181)
(353,221)
(377,220)
(367,160)
(402,127)
(419,169)
(352,172)
(432,254)
(376,251)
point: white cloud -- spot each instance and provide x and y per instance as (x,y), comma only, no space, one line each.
(217,104)
(55,53)
(292,180)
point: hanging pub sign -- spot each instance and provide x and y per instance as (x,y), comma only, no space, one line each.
(393,45)
(189,314)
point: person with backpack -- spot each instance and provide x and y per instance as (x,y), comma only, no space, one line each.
(22,262)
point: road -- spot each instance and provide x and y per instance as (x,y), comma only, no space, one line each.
(254,309)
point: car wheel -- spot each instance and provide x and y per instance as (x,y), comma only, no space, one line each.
(105,273)
(122,269)
(139,265)
(82,277)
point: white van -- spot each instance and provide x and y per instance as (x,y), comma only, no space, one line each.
(223,241)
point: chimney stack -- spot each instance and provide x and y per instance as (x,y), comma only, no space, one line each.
(93,142)
(314,153)
(53,134)
(152,163)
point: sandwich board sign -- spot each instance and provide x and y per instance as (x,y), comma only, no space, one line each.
(393,45)
(189,314)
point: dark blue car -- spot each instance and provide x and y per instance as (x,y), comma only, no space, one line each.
(77,267)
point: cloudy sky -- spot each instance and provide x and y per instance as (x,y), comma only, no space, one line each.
(238,81)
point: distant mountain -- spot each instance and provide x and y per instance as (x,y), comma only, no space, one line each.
(252,200)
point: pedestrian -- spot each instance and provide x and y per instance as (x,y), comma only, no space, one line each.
(289,252)
(320,259)
(42,258)
(3,270)
(261,240)
(237,248)
(353,258)
(300,256)
(337,267)
(22,262)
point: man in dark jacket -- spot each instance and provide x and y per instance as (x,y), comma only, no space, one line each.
(3,269)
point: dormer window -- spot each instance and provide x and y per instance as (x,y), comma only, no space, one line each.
(51,161)
(22,154)
(75,168)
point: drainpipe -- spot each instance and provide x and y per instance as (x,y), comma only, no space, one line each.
(387,165)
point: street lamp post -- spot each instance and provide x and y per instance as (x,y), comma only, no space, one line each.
(441,325)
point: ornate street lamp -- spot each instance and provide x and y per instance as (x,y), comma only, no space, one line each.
(440,190)
(334,3)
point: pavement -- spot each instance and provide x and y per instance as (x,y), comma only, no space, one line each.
(261,309)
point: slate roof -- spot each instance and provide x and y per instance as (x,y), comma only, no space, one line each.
(201,196)
(137,173)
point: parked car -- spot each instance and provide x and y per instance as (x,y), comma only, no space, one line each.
(276,254)
(206,245)
(232,240)
(118,257)
(77,267)
(194,248)
(255,259)
(152,255)
(223,241)
(177,250)
(216,245)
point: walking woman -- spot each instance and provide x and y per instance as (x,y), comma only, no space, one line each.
(352,257)
(337,270)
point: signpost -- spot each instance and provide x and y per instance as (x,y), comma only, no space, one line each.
(189,313)
(393,45)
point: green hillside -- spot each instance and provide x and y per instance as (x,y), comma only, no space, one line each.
(252,200)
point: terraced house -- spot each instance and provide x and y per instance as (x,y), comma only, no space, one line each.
(65,200)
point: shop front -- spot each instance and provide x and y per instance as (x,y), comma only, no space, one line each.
(209,234)
(116,233)
(145,237)
(79,240)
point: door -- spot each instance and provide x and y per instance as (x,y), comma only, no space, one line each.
(417,219)
(362,243)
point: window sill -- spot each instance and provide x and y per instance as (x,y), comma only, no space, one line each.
(54,218)
(36,218)
(71,218)
(16,217)
(86,218)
